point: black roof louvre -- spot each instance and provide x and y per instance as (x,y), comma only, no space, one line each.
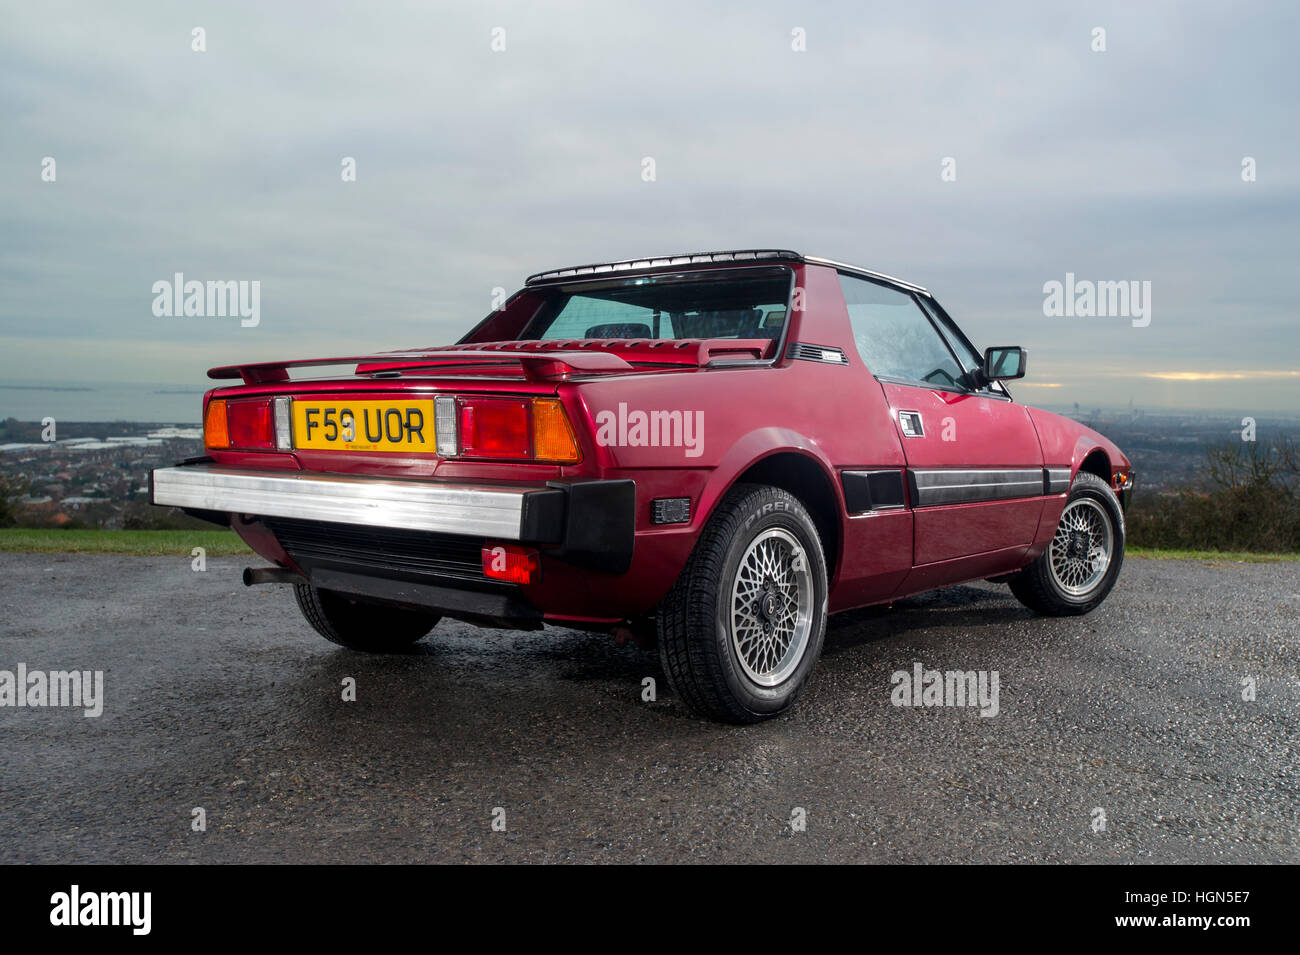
(653,263)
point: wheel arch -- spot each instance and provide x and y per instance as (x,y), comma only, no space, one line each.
(1096,461)
(789,461)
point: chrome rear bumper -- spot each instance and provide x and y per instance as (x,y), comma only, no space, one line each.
(590,524)
(480,510)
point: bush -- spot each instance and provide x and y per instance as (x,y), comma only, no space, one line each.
(1249,501)
(143,516)
(10,491)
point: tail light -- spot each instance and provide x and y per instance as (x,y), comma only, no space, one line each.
(490,428)
(552,437)
(246,424)
(494,428)
(216,434)
(521,429)
(511,563)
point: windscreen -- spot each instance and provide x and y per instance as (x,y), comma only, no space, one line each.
(714,304)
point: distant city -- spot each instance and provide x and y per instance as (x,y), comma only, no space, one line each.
(1167,447)
(92,474)
(96,474)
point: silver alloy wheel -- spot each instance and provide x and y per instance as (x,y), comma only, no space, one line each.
(1080,552)
(771,607)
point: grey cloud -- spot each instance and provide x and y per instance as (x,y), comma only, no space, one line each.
(477,168)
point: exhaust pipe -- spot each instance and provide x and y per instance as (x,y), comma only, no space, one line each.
(271,575)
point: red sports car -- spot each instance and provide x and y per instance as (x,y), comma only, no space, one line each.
(713,451)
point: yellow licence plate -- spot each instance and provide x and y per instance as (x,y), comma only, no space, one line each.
(364,425)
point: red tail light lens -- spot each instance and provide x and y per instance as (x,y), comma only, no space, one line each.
(251,424)
(494,428)
(523,429)
(511,563)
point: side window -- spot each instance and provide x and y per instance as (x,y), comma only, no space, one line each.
(895,338)
(967,353)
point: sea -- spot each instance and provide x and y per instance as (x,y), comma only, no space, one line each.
(101,401)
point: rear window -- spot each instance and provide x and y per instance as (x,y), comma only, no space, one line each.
(749,303)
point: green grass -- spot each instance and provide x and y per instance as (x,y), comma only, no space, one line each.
(217,543)
(1157,553)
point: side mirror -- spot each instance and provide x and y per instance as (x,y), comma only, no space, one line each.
(1004,362)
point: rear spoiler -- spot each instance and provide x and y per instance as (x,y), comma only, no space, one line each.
(538,367)
(541,361)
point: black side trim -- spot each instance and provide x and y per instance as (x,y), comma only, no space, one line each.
(872,490)
(938,486)
(886,489)
(932,487)
(1056,480)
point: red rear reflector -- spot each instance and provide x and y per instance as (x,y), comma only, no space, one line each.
(511,563)
(494,428)
(250,424)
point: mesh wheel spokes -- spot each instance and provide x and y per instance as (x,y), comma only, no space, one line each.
(1081,550)
(771,607)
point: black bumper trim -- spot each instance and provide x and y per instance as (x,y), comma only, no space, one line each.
(599,523)
(484,609)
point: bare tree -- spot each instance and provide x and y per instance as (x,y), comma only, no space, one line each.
(1251,464)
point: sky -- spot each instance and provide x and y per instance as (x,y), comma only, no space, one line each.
(982,151)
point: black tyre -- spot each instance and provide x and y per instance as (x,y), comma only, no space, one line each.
(370,628)
(741,630)
(1082,563)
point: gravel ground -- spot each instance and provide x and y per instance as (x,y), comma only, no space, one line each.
(221,697)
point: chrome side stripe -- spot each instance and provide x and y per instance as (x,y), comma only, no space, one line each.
(934,487)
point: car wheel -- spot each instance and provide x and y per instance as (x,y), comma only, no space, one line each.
(741,630)
(1082,563)
(370,628)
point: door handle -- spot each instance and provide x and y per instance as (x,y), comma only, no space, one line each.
(909,422)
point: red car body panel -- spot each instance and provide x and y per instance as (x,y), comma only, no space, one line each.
(1068,444)
(818,420)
